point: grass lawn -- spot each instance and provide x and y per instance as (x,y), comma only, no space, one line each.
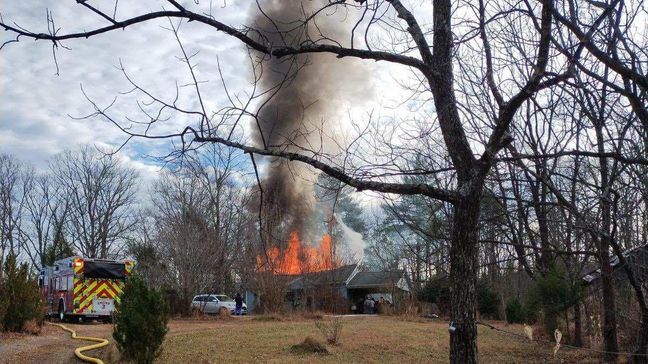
(364,340)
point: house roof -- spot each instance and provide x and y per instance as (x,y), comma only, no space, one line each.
(637,259)
(348,275)
(377,280)
(335,276)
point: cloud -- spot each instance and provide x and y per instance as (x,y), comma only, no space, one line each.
(36,104)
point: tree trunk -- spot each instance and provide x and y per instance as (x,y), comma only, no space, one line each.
(605,242)
(642,344)
(578,334)
(609,304)
(464,254)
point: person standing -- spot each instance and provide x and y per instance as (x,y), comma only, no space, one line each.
(372,306)
(238,310)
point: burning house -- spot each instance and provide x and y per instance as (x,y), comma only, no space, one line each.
(339,290)
(310,278)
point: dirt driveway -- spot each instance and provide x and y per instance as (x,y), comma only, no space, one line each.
(54,345)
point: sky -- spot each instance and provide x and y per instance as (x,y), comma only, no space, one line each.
(42,101)
(38,107)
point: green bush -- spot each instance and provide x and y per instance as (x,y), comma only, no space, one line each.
(552,294)
(437,290)
(515,312)
(19,298)
(488,301)
(140,321)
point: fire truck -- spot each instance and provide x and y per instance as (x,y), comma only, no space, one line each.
(83,288)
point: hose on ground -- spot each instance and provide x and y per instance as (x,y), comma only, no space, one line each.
(79,351)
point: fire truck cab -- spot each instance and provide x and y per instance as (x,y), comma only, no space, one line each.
(83,288)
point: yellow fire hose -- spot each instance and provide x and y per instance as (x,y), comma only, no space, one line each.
(79,351)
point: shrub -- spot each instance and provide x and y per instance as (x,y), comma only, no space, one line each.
(515,313)
(331,329)
(140,321)
(488,301)
(308,346)
(552,294)
(224,313)
(32,327)
(19,298)
(437,290)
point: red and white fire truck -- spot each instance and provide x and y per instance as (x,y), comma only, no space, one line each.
(83,288)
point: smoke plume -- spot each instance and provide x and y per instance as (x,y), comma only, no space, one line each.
(313,88)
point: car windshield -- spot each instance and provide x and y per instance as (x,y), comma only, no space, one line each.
(224,298)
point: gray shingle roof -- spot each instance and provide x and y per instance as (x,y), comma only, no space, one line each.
(335,276)
(375,279)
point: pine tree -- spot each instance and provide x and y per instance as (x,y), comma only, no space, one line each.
(140,321)
(59,249)
(19,298)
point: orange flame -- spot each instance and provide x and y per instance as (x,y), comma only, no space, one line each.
(297,258)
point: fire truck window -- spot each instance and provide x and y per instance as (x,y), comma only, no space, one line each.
(70,283)
(108,270)
(40,282)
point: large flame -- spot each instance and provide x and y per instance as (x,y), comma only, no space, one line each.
(298,258)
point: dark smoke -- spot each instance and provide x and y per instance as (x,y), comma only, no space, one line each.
(312,83)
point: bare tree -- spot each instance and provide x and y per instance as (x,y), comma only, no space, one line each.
(101,192)
(201,221)
(15,185)
(45,214)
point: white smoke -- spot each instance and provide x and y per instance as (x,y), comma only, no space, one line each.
(354,244)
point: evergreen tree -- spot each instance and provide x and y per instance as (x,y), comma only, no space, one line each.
(140,321)
(19,298)
(59,249)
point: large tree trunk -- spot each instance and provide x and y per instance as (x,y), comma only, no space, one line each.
(464,254)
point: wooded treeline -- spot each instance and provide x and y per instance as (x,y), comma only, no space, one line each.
(522,147)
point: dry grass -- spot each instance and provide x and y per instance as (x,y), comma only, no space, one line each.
(315,315)
(32,327)
(366,340)
(269,317)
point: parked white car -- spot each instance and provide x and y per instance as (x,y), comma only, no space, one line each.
(214,303)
